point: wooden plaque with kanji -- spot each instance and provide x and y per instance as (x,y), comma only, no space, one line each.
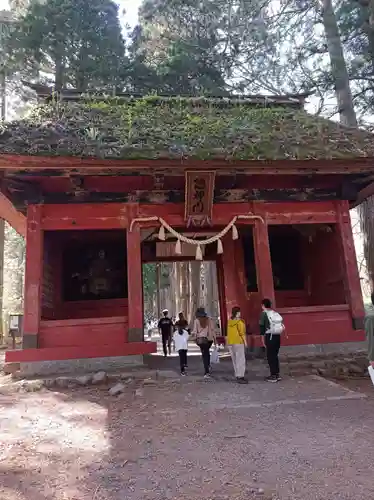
(199,196)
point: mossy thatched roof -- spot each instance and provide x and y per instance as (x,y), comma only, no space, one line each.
(180,128)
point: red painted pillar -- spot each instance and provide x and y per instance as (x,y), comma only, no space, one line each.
(135,285)
(33,277)
(351,275)
(241,282)
(264,270)
(230,274)
(221,293)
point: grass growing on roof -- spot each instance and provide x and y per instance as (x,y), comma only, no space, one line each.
(197,128)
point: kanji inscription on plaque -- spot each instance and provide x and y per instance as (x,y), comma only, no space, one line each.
(199,196)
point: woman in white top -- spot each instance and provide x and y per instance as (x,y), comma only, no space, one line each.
(180,338)
(204,333)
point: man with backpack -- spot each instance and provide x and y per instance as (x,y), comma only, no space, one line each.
(271,329)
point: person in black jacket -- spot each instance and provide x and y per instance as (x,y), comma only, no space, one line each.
(165,325)
(270,341)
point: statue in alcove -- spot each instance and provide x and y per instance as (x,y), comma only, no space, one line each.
(94,271)
(100,276)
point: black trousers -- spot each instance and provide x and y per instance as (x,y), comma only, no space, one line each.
(273,343)
(183,359)
(205,354)
(166,343)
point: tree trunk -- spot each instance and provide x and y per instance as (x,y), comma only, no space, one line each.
(215,289)
(188,289)
(177,286)
(366,213)
(158,291)
(208,286)
(195,286)
(338,66)
(3,94)
(59,69)
(366,209)
(169,300)
(211,288)
(183,286)
(172,289)
(203,288)
(346,108)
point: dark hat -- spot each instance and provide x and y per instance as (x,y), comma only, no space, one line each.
(200,313)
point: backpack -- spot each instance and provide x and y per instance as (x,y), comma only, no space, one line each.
(276,323)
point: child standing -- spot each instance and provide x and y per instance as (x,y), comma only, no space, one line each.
(180,338)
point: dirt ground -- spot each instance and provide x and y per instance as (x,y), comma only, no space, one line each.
(304,438)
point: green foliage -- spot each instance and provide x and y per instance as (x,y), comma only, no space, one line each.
(149,280)
(78,41)
(193,46)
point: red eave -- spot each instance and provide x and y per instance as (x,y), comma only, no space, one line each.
(341,166)
(10,214)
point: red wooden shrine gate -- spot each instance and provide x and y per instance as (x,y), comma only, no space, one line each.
(61,330)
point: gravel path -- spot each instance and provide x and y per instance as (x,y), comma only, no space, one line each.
(304,438)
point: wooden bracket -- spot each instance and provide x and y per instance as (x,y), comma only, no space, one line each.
(9,213)
(23,193)
(77,181)
(362,195)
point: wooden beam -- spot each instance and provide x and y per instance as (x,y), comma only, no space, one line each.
(264,271)
(134,281)
(139,196)
(288,100)
(241,275)
(348,191)
(351,275)
(116,215)
(10,214)
(33,277)
(298,213)
(221,293)
(45,164)
(159,197)
(277,194)
(23,187)
(365,193)
(230,274)
(22,193)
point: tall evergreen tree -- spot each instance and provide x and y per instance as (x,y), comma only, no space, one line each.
(175,43)
(79,42)
(202,46)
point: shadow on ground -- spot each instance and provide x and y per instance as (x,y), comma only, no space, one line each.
(304,439)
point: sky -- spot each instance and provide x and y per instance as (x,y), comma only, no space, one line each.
(131,7)
(130,18)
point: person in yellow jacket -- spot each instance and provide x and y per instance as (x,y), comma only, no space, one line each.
(237,342)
